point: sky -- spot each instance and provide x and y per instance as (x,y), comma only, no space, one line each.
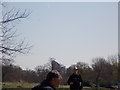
(70,32)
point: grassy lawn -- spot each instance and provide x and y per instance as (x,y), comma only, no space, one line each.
(28,86)
(18,85)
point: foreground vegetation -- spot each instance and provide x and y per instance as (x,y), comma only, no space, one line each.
(28,86)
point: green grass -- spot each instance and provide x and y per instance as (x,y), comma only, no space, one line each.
(18,85)
(64,86)
(28,86)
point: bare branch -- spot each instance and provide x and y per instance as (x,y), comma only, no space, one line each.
(15,15)
(8,46)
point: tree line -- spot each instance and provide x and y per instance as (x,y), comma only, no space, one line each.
(101,72)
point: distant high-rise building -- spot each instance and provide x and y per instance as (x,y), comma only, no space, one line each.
(57,66)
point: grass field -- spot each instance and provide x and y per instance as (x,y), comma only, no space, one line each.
(18,85)
(28,86)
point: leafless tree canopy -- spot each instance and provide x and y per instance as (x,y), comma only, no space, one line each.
(9,46)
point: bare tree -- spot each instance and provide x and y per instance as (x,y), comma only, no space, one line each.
(9,46)
(104,71)
(84,70)
(113,60)
(119,71)
(41,72)
(98,68)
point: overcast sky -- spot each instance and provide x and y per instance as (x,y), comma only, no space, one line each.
(70,32)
